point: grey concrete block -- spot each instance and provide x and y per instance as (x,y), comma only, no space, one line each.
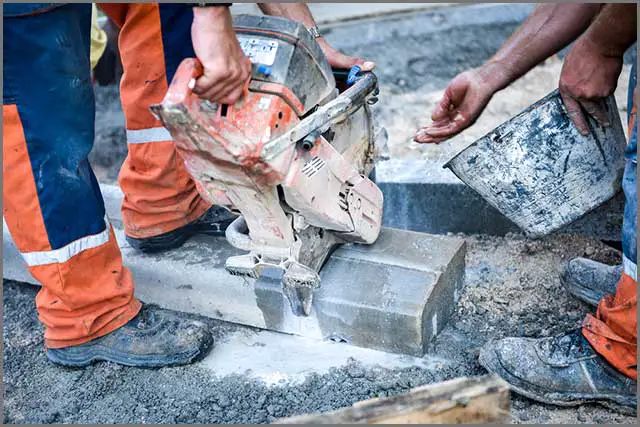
(422,196)
(393,296)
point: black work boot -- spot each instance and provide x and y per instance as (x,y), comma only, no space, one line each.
(589,281)
(213,222)
(154,338)
(563,370)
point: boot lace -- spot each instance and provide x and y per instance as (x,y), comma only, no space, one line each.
(568,344)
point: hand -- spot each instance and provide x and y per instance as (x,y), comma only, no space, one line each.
(464,99)
(588,76)
(226,68)
(338,59)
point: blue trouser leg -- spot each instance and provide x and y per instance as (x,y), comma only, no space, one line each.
(51,199)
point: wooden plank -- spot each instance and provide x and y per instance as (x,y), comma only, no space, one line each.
(463,400)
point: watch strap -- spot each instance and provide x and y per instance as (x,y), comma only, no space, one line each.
(209,4)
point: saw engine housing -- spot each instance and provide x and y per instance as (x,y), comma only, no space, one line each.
(292,157)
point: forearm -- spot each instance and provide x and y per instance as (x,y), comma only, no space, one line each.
(295,11)
(548,29)
(212,16)
(614,29)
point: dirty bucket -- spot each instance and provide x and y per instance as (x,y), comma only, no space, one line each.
(539,171)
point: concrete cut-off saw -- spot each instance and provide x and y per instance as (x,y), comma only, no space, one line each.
(292,157)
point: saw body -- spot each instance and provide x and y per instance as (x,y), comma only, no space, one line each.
(292,157)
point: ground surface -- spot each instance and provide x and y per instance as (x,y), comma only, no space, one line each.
(511,289)
(511,283)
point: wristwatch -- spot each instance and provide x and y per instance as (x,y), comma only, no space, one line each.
(314,32)
(209,4)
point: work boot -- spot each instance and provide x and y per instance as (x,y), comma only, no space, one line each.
(589,281)
(153,339)
(213,222)
(563,370)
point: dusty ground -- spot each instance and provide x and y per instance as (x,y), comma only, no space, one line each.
(511,283)
(511,289)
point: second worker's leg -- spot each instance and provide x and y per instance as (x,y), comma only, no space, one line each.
(162,207)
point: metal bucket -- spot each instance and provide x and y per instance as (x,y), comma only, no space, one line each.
(539,171)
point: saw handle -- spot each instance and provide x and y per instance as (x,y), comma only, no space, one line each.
(184,80)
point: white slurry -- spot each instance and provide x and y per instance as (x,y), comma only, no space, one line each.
(286,359)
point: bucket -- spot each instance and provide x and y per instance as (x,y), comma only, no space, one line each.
(539,171)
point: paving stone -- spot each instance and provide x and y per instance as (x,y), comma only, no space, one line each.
(393,296)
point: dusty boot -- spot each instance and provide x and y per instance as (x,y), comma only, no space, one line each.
(589,281)
(213,222)
(562,370)
(154,338)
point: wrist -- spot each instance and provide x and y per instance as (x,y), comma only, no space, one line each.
(210,4)
(496,74)
(207,14)
(596,46)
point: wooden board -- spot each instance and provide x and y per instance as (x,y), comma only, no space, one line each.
(463,400)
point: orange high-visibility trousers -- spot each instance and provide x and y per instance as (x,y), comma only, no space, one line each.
(52,204)
(159,194)
(613,332)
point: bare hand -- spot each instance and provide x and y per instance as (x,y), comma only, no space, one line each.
(226,68)
(588,76)
(338,59)
(464,99)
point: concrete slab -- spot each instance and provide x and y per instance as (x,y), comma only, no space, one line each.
(393,296)
(422,22)
(335,12)
(420,195)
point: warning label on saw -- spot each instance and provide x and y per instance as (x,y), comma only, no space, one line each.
(259,51)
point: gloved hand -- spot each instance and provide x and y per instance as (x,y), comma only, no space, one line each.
(226,68)
(588,76)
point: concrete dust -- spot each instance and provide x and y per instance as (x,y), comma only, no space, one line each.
(276,358)
(512,288)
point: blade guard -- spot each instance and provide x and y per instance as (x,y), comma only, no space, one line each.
(269,177)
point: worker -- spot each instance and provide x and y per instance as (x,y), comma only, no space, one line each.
(98,39)
(52,203)
(597,362)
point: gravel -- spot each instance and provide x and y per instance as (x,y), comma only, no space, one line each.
(512,288)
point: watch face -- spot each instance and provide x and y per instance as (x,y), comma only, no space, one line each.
(314,32)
